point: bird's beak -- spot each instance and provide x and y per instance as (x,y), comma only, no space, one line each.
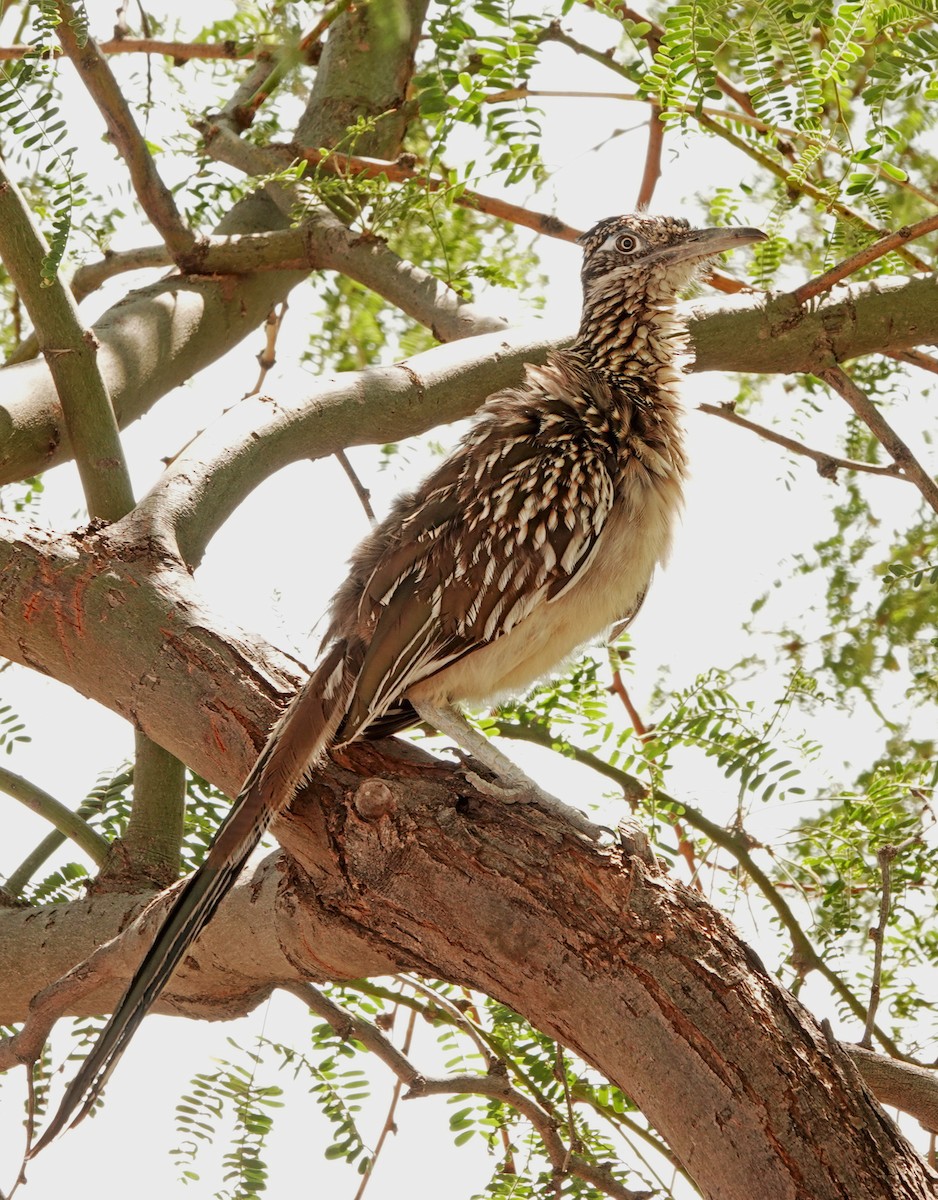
(708,243)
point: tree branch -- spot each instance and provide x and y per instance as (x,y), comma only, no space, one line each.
(153,839)
(915,358)
(89,807)
(900,1085)
(884,857)
(178,51)
(778,169)
(734,842)
(877,424)
(70,352)
(652,171)
(863,258)
(483,896)
(496,1086)
(827,464)
(69,824)
(154,196)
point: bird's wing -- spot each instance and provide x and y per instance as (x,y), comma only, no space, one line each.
(500,533)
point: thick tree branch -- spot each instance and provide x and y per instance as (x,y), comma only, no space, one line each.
(915,358)
(633,943)
(898,1084)
(444,882)
(259,436)
(735,843)
(155,831)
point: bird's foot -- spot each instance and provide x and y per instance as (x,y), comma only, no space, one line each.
(513,785)
(517,788)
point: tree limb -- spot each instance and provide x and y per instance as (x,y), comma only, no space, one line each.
(827,464)
(863,258)
(68,823)
(877,424)
(70,352)
(154,196)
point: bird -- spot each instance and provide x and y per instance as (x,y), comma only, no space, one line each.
(540,531)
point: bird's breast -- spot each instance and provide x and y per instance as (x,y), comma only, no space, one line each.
(635,538)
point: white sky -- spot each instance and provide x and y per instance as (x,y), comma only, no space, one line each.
(742,523)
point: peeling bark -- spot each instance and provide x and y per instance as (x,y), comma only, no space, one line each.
(634,972)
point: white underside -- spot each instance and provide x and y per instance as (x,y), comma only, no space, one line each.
(629,548)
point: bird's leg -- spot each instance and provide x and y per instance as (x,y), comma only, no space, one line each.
(515,786)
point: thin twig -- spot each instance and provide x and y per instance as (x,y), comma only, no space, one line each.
(862,258)
(877,424)
(267,358)
(827,464)
(851,215)
(884,856)
(361,491)
(390,1125)
(309,40)
(155,197)
(643,732)
(406,170)
(618,687)
(178,51)
(497,1086)
(560,1070)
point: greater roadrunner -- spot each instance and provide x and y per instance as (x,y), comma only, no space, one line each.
(540,531)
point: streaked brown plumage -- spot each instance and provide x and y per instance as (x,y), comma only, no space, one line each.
(541,530)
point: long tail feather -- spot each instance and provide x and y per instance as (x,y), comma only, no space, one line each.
(298,740)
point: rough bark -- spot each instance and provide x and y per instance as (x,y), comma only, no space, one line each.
(634,972)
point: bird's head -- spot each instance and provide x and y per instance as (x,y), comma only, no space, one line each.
(651,258)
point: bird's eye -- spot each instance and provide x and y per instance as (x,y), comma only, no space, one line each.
(626,243)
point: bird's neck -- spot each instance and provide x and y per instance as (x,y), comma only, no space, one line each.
(646,340)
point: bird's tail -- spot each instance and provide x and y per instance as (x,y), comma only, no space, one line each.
(298,741)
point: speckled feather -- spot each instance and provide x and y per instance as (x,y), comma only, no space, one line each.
(541,530)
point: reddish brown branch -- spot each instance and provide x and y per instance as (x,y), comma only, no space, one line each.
(685,846)
(178,51)
(405,170)
(862,258)
(619,689)
(652,172)
(915,358)
(309,40)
